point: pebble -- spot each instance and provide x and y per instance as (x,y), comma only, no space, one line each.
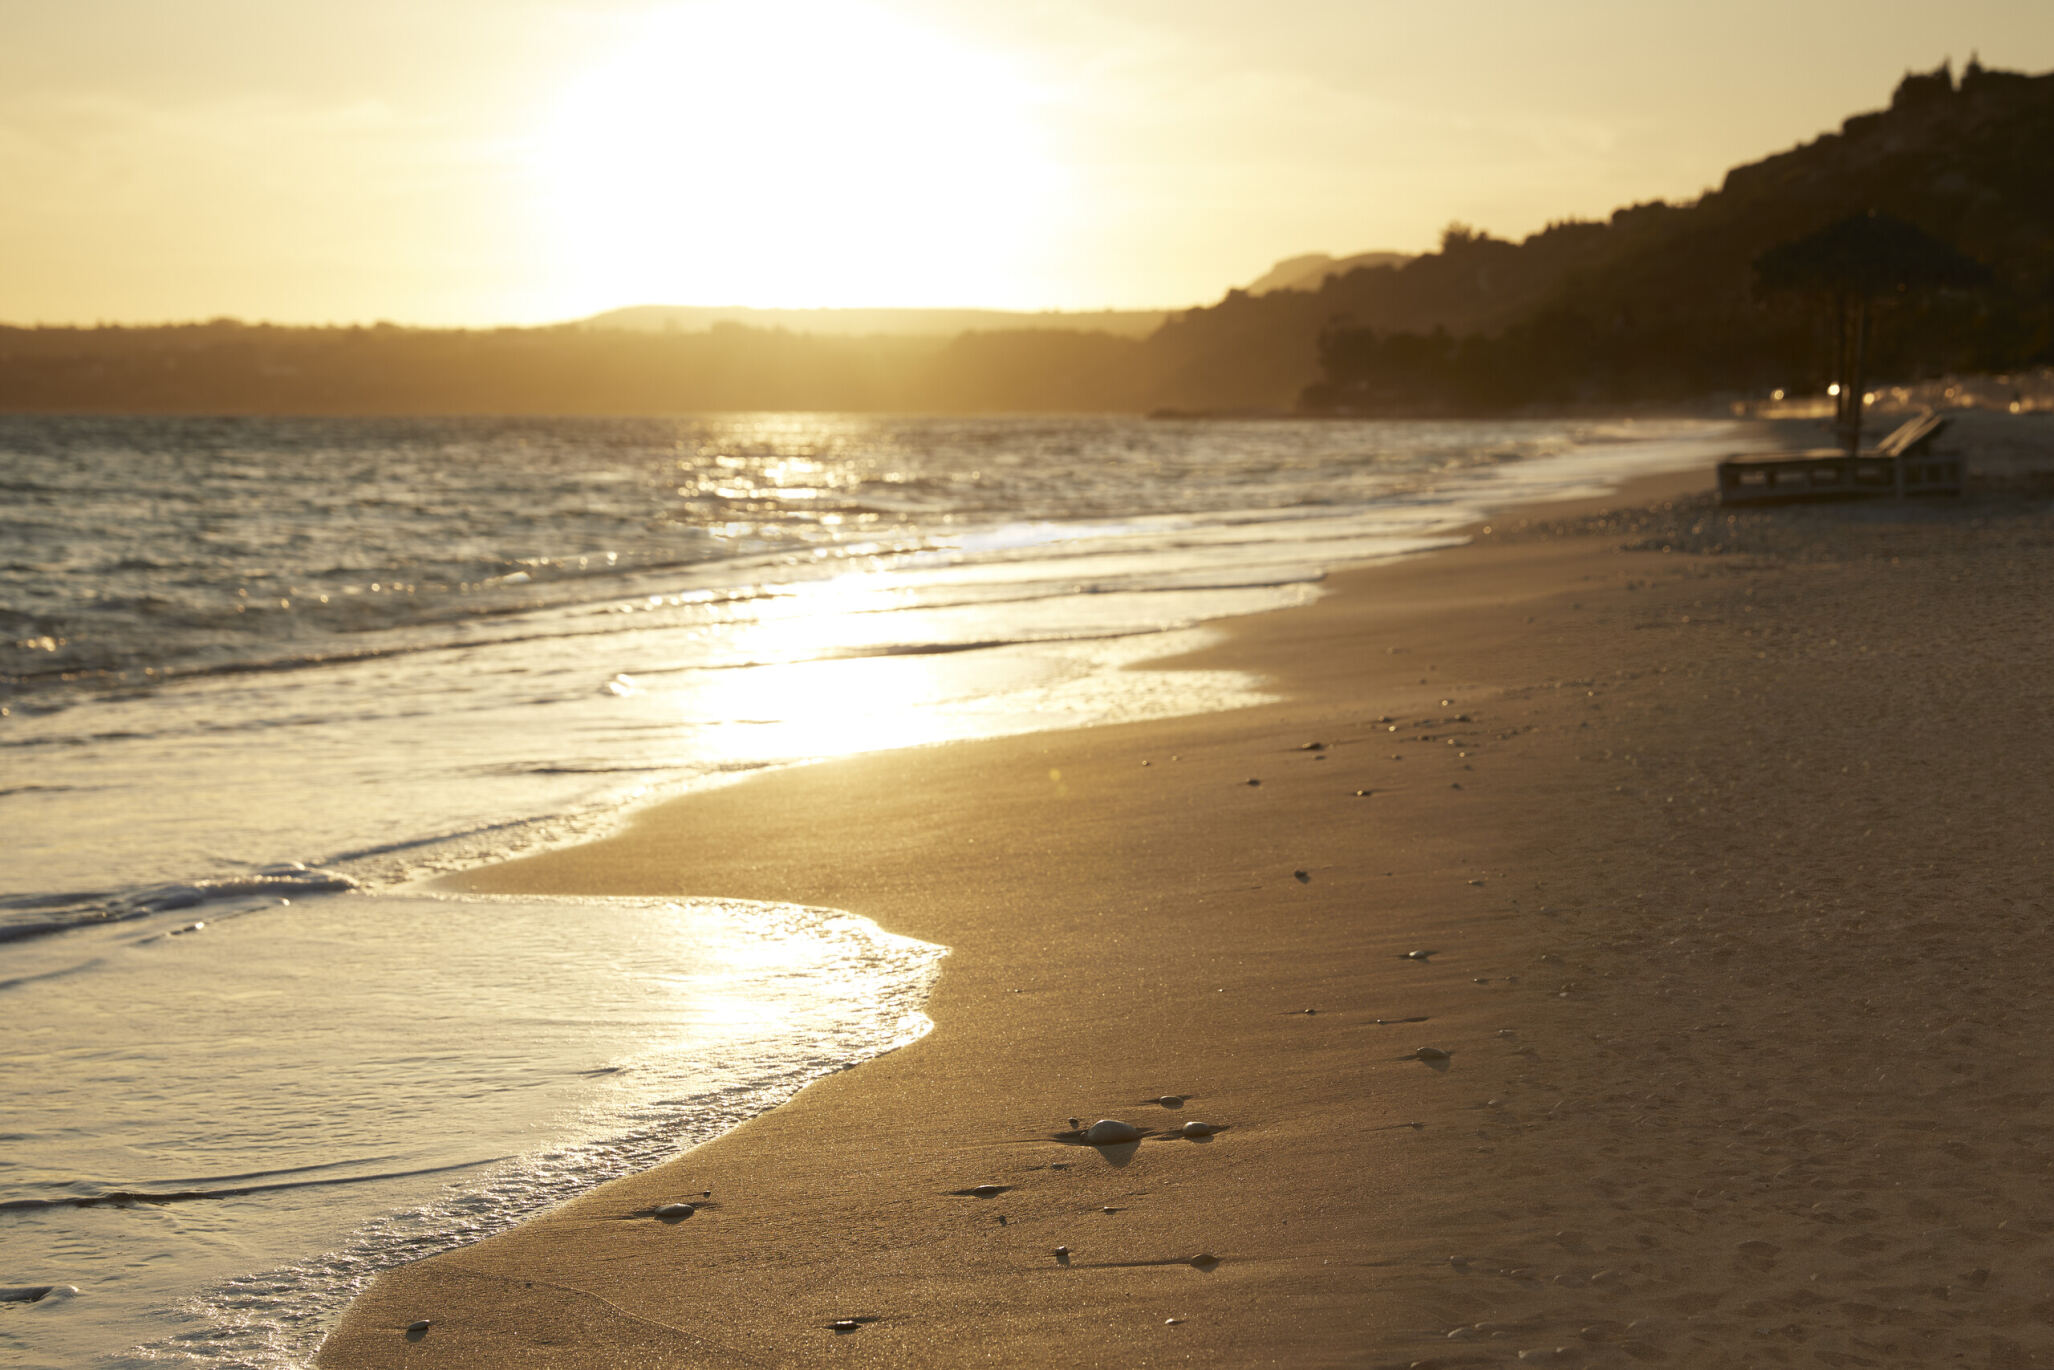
(1430,1054)
(1302,877)
(1364,794)
(987,1191)
(1198,1129)
(1168,1100)
(1417,955)
(1253,781)
(1111,1132)
(1171,1322)
(418,1328)
(673,1213)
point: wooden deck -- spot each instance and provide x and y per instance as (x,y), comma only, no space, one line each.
(1899,465)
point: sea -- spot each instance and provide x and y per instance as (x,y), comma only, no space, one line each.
(262,680)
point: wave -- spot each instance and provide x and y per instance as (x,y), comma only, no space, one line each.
(43,914)
(134,1198)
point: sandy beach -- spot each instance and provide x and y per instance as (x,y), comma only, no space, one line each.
(1723,842)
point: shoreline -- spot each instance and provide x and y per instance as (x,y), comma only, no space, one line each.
(1123,930)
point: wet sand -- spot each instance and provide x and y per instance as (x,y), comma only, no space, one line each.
(1729,840)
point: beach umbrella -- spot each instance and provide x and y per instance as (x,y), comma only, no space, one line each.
(1855,260)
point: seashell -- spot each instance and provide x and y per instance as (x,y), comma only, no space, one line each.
(1112,1132)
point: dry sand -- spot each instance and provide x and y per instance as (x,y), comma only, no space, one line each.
(1730,835)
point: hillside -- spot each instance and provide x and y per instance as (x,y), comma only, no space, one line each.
(1658,302)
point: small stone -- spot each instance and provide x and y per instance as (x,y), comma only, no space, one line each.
(1195,1128)
(418,1328)
(1111,1132)
(1430,1054)
(988,1191)
(1313,747)
(1171,1322)
(1302,877)
(1253,781)
(1364,794)
(674,1213)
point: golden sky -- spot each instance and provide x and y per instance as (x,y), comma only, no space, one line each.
(515,161)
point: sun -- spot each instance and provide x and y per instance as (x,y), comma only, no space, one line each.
(794,153)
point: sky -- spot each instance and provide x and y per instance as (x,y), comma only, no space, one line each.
(487,162)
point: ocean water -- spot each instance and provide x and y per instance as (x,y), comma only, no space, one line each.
(259,678)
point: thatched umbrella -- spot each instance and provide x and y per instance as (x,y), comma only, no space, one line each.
(1859,258)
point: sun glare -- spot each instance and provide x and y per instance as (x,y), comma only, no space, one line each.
(794,153)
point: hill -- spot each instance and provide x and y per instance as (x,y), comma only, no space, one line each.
(881,323)
(1310,271)
(1659,301)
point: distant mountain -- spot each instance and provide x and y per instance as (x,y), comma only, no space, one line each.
(1310,271)
(878,323)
